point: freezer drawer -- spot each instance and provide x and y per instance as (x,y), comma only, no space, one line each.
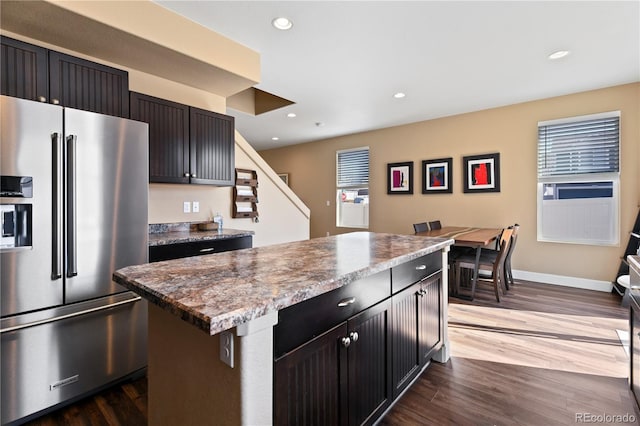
(66,352)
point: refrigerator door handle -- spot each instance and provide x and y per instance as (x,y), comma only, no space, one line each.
(71,315)
(72,243)
(56,217)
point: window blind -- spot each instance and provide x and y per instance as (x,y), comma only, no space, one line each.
(586,146)
(353,167)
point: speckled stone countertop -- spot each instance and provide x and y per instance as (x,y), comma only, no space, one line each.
(219,291)
(172,233)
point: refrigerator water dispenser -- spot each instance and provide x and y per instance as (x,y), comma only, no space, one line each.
(16,226)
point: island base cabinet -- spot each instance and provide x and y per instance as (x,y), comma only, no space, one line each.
(429,302)
(369,364)
(341,377)
(307,382)
(416,330)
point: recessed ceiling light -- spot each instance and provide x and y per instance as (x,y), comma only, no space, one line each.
(291,114)
(399,95)
(282,23)
(275,138)
(558,54)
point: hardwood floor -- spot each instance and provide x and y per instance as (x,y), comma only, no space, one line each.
(545,355)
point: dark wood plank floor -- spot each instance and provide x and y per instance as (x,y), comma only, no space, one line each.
(542,356)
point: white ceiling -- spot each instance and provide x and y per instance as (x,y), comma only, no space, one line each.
(342,61)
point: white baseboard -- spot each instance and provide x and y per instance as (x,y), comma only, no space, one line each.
(585,283)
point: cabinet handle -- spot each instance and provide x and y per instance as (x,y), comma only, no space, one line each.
(421,267)
(41,99)
(354,336)
(205,250)
(346,302)
(187,175)
(345,342)
(55,101)
(193,175)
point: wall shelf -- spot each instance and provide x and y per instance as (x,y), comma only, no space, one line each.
(245,194)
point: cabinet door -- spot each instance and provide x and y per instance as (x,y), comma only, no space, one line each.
(24,70)
(429,315)
(168,137)
(309,382)
(369,359)
(212,151)
(81,84)
(405,338)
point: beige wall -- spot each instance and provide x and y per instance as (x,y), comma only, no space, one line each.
(511,131)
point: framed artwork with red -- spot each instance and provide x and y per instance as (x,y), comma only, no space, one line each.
(481,173)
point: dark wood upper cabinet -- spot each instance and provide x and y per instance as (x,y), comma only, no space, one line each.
(86,85)
(168,137)
(39,74)
(24,70)
(186,144)
(212,151)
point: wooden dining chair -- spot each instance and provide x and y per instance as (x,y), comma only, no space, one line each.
(420,227)
(508,273)
(487,262)
(435,225)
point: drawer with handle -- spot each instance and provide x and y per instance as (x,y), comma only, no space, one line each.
(413,271)
(197,248)
(303,321)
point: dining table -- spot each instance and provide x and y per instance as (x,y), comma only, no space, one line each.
(467,236)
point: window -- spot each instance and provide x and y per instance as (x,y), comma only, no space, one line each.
(578,179)
(352,194)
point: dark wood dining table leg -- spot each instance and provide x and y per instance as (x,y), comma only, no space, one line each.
(476,272)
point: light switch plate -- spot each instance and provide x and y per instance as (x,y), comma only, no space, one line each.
(196,206)
(186,207)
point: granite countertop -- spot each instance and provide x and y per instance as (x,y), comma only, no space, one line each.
(219,291)
(172,233)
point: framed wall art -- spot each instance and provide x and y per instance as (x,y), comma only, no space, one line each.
(436,176)
(481,173)
(400,178)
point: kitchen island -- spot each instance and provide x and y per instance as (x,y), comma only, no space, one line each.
(221,325)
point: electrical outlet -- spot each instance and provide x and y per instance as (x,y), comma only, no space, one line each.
(186,207)
(226,348)
(196,206)
(328,233)
(328,203)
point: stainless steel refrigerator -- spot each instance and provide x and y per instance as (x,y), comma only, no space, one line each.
(73,206)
